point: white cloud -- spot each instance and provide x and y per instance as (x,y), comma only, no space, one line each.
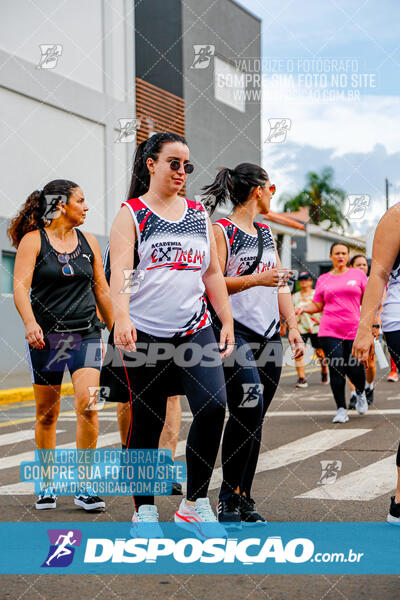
(346,126)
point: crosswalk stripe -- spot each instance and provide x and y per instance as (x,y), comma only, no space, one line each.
(19,436)
(24,488)
(362,485)
(300,449)
(323,413)
(15,460)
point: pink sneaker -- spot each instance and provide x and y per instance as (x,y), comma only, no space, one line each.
(199,519)
(393,376)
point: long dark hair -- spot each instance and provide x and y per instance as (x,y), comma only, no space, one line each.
(31,215)
(234,184)
(150,148)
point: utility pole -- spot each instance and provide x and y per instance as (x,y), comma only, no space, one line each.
(387,193)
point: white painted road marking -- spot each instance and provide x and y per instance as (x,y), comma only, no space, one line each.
(300,449)
(19,436)
(362,485)
(15,460)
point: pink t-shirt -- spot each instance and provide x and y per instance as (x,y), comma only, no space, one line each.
(342,296)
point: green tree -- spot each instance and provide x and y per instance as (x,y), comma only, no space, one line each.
(324,200)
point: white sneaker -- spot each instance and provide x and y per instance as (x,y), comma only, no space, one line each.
(341,416)
(145,522)
(361,404)
(200,519)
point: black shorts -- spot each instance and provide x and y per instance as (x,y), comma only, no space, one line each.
(160,372)
(314,339)
(63,351)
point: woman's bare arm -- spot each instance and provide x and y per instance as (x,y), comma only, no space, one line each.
(25,261)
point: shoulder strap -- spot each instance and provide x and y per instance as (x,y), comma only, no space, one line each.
(84,241)
(253,267)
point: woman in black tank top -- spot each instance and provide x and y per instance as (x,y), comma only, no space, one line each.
(58,280)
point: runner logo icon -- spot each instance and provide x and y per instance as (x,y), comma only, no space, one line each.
(251,394)
(62,547)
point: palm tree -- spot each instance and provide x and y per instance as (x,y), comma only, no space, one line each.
(325,201)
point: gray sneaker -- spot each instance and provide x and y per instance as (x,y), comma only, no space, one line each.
(341,416)
(361,404)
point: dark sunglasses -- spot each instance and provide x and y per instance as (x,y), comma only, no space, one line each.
(187,167)
(67,269)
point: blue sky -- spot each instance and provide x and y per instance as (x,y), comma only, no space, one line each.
(357,135)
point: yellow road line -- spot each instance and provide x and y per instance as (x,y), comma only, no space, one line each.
(25,394)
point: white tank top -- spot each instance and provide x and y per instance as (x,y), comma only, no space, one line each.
(167,289)
(257,307)
(390,316)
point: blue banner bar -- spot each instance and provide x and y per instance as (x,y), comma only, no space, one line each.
(147,548)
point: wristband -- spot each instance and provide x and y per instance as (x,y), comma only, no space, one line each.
(376,325)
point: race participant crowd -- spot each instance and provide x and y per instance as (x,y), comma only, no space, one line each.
(192,308)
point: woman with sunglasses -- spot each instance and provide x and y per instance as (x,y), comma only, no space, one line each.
(162,328)
(253,274)
(58,279)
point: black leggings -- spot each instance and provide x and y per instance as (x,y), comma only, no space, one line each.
(196,374)
(341,364)
(392,339)
(252,375)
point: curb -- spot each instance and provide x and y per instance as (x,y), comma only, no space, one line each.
(24,394)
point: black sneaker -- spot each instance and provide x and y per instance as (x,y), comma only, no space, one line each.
(369,392)
(176,489)
(353,401)
(47,499)
(394,512)
(228,510)
(248,512)
(89,502)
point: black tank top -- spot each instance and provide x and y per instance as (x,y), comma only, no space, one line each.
(57,298)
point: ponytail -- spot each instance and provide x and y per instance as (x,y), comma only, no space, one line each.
(219,190)
(31,215)
(150,148)
(140,181)
(234,184)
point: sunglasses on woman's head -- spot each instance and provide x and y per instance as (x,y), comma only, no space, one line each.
(67,269)
(175,164)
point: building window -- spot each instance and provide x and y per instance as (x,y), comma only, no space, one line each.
(7,272)
(229,84)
